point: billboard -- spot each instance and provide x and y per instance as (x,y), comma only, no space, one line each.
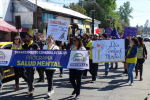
(1,8)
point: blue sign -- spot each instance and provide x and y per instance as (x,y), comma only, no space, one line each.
(45,58)
(130,31)
(108,31)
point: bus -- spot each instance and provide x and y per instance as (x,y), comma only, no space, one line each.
(7,71)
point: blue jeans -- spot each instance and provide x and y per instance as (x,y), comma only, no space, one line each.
(130,67)
(106,67)
(0,72)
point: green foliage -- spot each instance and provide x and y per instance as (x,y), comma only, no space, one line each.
(77,8)
(139,32)
(125,12)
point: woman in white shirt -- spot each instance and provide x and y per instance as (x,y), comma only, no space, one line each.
(75,75)
(50,71)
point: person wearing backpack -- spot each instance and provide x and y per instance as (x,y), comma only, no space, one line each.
(141,56)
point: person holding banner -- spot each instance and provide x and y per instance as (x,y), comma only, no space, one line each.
(61,47)
(50,71)
(93,66)
(104,37)
(116,63)
(126,46)
(17,45)
(141,56)
(85,41)
(131,58)
(75,75)
(40,43)
(30,45)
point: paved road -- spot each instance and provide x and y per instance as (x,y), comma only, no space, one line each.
(112,87)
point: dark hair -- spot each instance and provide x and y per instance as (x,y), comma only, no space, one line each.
(20,40)
(78,38)
(58,43)
(105,35)
(71,40)
(141,44)
(135,40)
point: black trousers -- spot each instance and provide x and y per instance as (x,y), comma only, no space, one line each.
(139,66)
(50,74)
(61,70)
(20,71)
(40,72)
(75,77)
(93,70)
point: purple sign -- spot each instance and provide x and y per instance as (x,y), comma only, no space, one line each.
(130,31)
(108,31)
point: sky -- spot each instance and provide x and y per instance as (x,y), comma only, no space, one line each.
(141,9)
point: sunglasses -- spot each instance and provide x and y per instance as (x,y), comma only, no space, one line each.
(74,40)
(16,39)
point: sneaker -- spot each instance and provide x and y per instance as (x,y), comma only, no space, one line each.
(50,93)
(61,75)
(131,84)
(84,77)
(40,81)
(74,92)
(28,92)
(77,97)
(92,81)
(141,79)
(128,81)
(31,93)
(111,68)
(136,77)
(106,73)
(116,67)
(1,87)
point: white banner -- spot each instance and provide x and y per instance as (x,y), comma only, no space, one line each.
(78,59)
(5,56)
(58,29)
(108,51)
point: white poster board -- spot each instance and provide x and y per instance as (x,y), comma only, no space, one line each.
(58,29)
(78,59)
(108,51)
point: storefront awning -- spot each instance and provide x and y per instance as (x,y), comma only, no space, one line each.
(10,27)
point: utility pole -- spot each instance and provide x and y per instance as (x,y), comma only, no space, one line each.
(36,13)
(93,16)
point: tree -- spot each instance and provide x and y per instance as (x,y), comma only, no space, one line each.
(77,8)
(139,32)
(125,12)
(102,10)
(146,25)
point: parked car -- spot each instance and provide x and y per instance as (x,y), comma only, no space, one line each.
(146,39)
(7,71)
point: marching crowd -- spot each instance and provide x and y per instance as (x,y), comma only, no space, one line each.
(135,55)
